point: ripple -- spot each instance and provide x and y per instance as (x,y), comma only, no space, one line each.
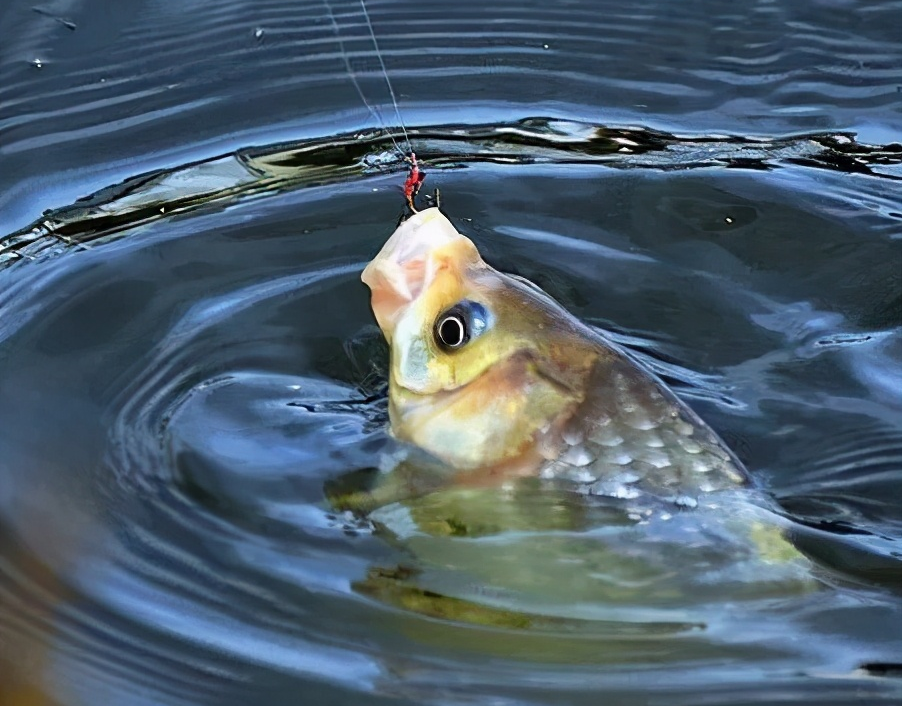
(227,369)
(100,89)
(190,371)
(160,194)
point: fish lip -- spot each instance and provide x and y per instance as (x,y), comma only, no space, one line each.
(420,250)
(407,243)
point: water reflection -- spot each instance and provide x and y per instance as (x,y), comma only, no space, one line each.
(191,386)
(203,409)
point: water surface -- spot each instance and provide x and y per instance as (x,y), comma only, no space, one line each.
(188,362)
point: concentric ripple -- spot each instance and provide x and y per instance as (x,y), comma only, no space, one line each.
(204,381)
(196,480)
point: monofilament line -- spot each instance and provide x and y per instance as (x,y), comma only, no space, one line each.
(391,91)
(353,76)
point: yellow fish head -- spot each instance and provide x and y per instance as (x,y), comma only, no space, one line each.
(485,367)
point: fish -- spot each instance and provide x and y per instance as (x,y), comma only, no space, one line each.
(497,380)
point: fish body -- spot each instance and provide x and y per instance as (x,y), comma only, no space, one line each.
(497,380)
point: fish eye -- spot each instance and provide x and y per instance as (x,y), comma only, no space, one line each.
(452,331)
(456,326)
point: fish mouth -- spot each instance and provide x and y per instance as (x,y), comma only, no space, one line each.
(411,261)
(404,260)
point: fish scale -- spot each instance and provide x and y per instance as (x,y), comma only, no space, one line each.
(632,435)
(530,388)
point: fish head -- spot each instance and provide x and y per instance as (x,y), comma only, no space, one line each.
(482,365)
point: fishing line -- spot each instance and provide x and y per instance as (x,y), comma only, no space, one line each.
(391,90)
(353,76)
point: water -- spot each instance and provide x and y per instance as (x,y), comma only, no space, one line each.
(188,362)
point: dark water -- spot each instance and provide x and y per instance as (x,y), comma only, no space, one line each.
(188,193)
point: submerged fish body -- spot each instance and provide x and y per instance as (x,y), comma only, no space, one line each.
(497,380)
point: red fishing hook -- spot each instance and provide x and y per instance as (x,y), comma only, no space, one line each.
(415,179)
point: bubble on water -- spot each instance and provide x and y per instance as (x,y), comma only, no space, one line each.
(350,524)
